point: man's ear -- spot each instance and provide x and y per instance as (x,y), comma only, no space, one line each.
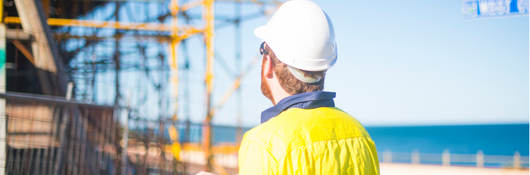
(268,68)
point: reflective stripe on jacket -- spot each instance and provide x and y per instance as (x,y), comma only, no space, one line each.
(322,140)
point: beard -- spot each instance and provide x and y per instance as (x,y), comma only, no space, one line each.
(265,88)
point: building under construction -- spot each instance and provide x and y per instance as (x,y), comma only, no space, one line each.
(103,86)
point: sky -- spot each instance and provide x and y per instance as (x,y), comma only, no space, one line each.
(408,63)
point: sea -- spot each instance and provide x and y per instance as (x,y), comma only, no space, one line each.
(499,143)
(491,139)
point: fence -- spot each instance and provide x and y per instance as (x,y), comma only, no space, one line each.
(446,158)
(50,135)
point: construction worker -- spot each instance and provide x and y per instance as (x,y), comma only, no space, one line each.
(303,133)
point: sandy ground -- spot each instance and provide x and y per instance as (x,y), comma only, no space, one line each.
(194,166)
(409,169)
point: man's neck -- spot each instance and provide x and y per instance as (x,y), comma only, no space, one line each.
(278,94)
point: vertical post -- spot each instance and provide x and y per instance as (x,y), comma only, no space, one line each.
(117,56)
(186,93)
(238,50)
(516,160)
(63,137)
(173,59)
(70,164)
(125,137)
(209,40)
(117,72)
(446,158)
(174,76)
(387,156)
(480,159)
(186,87)
(3,115)
(415,157)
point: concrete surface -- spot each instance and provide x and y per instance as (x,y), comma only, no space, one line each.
(410,169)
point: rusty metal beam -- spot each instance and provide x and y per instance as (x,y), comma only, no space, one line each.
(24,51)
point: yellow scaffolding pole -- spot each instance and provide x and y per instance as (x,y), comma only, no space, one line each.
(98,24)
(110,24)
(208,15)
(177,33)
(173,65)
(2,11)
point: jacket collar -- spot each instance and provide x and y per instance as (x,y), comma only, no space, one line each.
(307,100)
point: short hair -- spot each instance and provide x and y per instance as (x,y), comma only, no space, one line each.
(290,83)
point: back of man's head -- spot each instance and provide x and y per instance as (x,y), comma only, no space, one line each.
(295,81)
(301,40)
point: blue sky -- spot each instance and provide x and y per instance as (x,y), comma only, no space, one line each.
(399,63)
(408,63)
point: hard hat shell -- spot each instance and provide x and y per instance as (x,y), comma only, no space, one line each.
(301,35)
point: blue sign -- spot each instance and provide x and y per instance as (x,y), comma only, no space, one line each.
(486,8)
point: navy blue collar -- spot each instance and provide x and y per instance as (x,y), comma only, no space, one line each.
(308,100)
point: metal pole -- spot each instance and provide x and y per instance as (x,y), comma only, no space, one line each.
(415,157)
(187,101)
(208,15)
(117,55)
(387,156)
(517,160)
(3,116)
(186,87)
(125,138)
(62,133)
(174,78)
(446,158)
(480,159)
(238,42)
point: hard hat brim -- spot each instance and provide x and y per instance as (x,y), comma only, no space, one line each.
(261,32)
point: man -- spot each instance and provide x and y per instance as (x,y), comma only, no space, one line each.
(303,133)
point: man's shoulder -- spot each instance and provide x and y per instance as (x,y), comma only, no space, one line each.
(299,126)
(261,134)
(321,124)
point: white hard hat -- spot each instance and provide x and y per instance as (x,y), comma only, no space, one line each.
(301,35)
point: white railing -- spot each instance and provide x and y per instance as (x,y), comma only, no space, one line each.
(446,158)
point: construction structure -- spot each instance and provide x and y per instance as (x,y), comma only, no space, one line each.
(96,87)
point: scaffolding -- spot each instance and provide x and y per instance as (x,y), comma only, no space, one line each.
(102,46)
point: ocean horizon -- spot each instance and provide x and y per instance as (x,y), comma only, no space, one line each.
(491,139)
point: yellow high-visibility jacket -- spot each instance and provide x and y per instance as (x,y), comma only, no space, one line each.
(322,140)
